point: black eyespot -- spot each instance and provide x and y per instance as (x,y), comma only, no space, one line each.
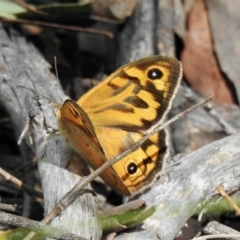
(155,73)
(132,168)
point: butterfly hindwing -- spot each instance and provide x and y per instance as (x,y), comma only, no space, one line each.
(138,169)
(77,129)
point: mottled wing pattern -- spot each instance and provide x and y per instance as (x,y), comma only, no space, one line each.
(129,101)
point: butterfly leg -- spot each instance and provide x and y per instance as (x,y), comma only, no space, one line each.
(24,134)
(55,134)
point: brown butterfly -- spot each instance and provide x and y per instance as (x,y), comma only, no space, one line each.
(112,116)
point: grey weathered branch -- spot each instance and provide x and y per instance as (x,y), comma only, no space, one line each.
(214,227)
(21,64)
(137,37)
(187,186)
(21,222)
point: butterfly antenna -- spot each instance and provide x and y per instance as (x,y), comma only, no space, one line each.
(50,99)
(55,65)
(56,105)
(56,72)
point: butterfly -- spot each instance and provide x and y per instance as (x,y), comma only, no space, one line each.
(113,116)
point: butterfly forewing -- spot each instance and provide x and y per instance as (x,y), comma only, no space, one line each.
(77,129)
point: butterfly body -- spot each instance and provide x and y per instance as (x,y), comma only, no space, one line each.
(113,116)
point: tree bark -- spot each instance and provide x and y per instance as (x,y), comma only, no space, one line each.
(137,37)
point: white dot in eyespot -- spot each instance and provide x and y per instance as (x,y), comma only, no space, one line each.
(154,74)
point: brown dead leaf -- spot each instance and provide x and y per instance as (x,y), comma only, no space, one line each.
(200,65)
(224,20)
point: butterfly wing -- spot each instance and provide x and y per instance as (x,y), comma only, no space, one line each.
(136,96)
(129,101)
(78,131)
(138,169)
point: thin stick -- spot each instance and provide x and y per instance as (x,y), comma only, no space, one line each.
(28,7)
(59,26)
(225,195)
(70,196)
(55,65)
(19,184)
(47,231)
